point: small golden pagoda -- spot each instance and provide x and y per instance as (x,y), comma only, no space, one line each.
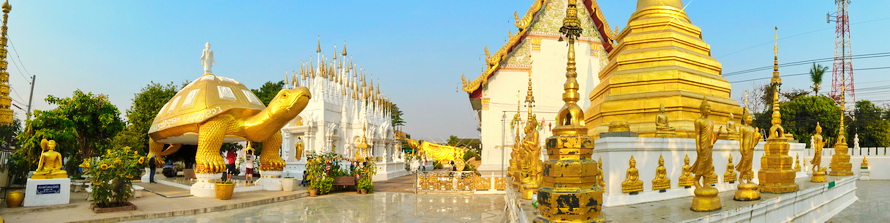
(660,58)
(840,161)
(5,100)
(570,172)
(776,174)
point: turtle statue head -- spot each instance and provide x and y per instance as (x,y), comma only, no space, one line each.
(289,102)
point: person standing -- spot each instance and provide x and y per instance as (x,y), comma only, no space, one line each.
(248,164)
(152,165)
(230,164)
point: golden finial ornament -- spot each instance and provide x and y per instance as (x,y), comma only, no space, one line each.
(318,47)
(661,182)
(776,174)
(632,183)
(730,176)
(570,150)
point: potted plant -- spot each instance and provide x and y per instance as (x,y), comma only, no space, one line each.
(365,186)
(224,190)
(111,179)
(365,173)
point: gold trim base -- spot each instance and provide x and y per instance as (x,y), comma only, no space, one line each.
(706,199)
(747,192)
(818,177)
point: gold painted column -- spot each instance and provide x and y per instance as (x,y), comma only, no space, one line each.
(569,192)
(776,174)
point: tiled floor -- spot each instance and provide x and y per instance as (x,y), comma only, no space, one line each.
(873,204)
(376,207)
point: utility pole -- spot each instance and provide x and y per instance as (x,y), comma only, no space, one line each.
(842,71)
(30,97)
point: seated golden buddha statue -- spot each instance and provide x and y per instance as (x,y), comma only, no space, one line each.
(661,182)
(712,178)
(633,183)
(686,180)
(662,126)
(50,164)
(730,175)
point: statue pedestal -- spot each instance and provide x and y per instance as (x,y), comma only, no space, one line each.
(864,174)
(747,192)
(270,180)
(42,192)
(706,199)
(158,174)
(205,185)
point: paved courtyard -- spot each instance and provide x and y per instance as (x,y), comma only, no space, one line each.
(376,207)
(873,204)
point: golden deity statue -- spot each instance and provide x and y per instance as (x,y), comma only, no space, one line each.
(864,164)
(50,164)
(748,139)
(532,154)
(712,178)
(686,180)
(732,131)
(818,144)
(299,150)
(516,156)
(661,181)
(662,125)
(796,162)
(729,176)
(632,184)
(705,198)
(601,174)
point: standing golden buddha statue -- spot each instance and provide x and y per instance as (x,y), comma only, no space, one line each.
(748,139)
(729,176)
(601,174)
(661,182)
(686,180)
(705,198)
(50,164)
(632,184)
(532,154)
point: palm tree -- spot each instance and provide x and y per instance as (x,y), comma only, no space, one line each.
(816,76)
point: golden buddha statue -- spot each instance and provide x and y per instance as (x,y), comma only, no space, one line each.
(532,153)
(748,139)
(712,177)
(50,164)
(632,184)
(299,150)
(662,126)
(864,164)
(797,163)
(705,198)
(661,182)
(601,175)
(732,131)
(730,175)
(818,144)
(686,180)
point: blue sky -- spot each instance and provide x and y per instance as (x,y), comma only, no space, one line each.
(416,49)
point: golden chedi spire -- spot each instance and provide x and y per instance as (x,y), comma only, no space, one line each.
(840,161)
(660,58)
(776,174)
(344,49)
(569,150)
(5,100)
(318,47)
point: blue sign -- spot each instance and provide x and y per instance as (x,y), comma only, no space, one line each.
(49,188)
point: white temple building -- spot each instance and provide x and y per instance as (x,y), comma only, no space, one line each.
(346,108)
(537,48)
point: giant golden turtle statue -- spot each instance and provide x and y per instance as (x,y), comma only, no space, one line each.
(213,110)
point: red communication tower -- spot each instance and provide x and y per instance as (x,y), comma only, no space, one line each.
(842,72)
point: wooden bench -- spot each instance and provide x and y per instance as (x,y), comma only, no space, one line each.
(345,181)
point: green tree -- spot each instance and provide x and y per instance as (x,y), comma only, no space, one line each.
(146,105)
(453,140)
(874,131)
(799,117)
(816,73)
(396,116)
(8,133)
(268,91)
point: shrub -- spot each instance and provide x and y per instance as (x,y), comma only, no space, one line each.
(111,176)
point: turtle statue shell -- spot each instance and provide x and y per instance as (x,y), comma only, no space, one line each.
(204,98)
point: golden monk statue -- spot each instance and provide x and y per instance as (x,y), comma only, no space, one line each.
(632,184)
(818,144)
(661,182)
(531,149)
(748,139)
(686,179)
(299,150)
(50,164)
(730,175)
(705,198)
(601,175)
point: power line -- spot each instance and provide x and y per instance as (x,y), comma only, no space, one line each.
(804,62)
(17,56)
(17,94)
(800,74)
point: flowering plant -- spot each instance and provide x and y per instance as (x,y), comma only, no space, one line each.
(111,176)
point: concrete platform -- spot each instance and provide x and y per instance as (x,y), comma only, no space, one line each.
(814,202)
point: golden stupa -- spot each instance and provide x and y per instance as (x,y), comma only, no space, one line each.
(660,58)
